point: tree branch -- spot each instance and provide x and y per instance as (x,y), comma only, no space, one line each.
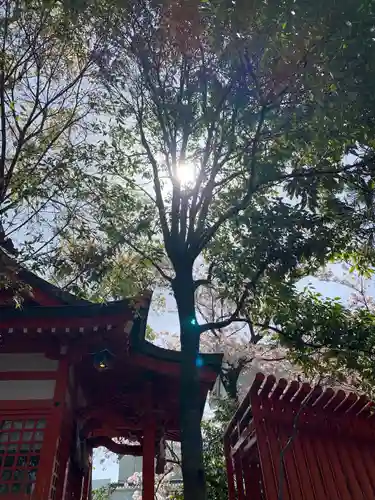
(255,338)
(157,186)
(3,187)
(316,173)
(119,449)
(161,480)
(208,280)
(235,209)
(245,294)
(196,204)
(145,256)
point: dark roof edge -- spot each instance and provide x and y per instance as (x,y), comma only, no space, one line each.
(82,309)
(212,361)
(37,282)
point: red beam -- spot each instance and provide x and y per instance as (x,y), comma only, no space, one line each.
(28,375)
(26,406)
(277,458)
(338,473)
(359,464)
(106,417)
(206,375)
(62,322)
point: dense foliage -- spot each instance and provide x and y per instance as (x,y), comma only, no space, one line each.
(102,493)
(138,139)
(44,112)
(330,338)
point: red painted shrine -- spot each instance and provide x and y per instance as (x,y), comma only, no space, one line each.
(293,441)
(73,376)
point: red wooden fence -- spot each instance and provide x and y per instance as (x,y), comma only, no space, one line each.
(289,441)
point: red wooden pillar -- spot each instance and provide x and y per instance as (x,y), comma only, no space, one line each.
(87,481)
(52,434)
(148,468)
(252,477)
(230,470)
(239,476)
(66,433)
(66,480)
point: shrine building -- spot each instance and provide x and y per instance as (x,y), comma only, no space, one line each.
(75,375)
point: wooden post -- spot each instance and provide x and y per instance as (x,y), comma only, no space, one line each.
(149,435)
(66,479)
(52,434)
(65,448)
(230,470)
(238,470)
(149,439)
(87,481)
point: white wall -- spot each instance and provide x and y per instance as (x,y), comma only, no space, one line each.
(18,390)
(27,362)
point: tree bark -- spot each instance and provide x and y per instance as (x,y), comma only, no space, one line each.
(190,407)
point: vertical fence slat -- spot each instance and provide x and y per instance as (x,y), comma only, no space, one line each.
(368,460)
(325,469)
(230,471)
(296,492)
(302,470)
(275,451)
(349,472)
(252,479)
(238,470)
(312,464)
(265,457)
(356,457)
(338,475)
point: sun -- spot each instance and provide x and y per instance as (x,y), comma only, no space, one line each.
(186,174)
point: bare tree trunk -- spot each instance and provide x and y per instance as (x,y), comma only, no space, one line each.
(190,407)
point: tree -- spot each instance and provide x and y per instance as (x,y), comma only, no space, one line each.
(331,339)
(48,121)
(238,116)
(234,126)
(46,114)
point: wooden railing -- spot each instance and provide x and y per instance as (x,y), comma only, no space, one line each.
(292,441)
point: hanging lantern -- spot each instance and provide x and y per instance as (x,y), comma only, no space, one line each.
(103,360)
